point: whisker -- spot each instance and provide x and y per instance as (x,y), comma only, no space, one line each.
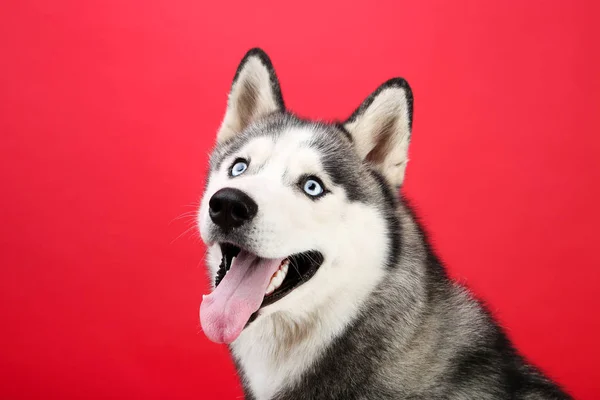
(297,270)
(187,214)
(183,233)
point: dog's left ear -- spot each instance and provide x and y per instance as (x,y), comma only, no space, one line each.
(254,93)
(381,129)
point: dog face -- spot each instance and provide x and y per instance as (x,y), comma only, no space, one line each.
(294,211)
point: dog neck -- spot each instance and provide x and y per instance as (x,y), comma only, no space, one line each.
(276,349)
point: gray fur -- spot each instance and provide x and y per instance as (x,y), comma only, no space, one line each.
(419,335)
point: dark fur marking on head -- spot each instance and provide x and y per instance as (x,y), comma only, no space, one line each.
(331,141)
(334,149)
(268,125)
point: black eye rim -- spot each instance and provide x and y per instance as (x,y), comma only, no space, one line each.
(238,160)
(302,181)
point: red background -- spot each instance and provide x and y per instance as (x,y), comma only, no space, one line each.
(107,112)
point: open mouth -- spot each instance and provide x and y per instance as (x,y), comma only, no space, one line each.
(245,283)
(292,272)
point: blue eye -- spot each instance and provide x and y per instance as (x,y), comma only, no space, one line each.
(239,167)
(313,187)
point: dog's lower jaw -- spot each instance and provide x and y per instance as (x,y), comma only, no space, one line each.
(274,351)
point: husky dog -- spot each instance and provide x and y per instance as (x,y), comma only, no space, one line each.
(325,286)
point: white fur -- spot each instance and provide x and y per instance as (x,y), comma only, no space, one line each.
(288,335)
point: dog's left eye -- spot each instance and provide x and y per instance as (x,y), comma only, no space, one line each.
(313,186)
(239,167)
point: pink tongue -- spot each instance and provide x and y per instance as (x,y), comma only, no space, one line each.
(225,312)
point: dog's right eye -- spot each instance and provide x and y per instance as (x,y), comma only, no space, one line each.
(239,167)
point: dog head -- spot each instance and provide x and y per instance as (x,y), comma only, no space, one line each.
(295,212)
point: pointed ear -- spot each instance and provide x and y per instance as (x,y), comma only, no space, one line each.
(381,129)
(254,93)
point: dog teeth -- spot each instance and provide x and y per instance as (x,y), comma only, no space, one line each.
(277,278)
(270,289)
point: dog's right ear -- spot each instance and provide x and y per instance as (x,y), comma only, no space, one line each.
(255,92)
(381,128)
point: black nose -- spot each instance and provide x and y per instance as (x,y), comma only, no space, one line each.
(230,208)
